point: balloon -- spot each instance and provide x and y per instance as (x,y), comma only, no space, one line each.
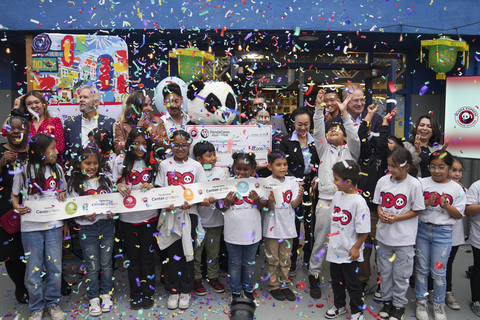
(158,95)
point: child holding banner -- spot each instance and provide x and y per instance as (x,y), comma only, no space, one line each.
(96,230)
(41,179)
(242,229)
(179,225)
(137,169)
(212,221)
(279,228)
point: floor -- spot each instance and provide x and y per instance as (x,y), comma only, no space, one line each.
(216,306)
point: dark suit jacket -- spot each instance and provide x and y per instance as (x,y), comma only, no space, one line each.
(375,123)
(73,132)
(296,165)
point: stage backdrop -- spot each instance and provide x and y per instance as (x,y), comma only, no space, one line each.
(461,116)
(62,63)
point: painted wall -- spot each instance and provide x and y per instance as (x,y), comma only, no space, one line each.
(336,15)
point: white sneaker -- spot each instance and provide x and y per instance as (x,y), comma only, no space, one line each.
(439,311)
(421,310)
(185,301)
(56,313)
(107,303)
(172,303)
(36,315)
(333,312)
(95,309)
(358,316)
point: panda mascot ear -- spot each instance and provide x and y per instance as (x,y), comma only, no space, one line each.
(236,85)
(194,88)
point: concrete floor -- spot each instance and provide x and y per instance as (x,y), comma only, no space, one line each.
(216,306)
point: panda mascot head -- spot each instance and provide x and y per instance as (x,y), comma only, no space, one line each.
(212,102)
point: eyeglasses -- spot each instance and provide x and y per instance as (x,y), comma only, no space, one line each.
(362,101)
(259,105)
(432,168)
(180,146)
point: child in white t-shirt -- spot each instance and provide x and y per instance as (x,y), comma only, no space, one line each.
(349,227)
(212,221)
(473,210)
(399,198)
(279,228)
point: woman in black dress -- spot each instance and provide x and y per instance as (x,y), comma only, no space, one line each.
(13,155)
(303,163)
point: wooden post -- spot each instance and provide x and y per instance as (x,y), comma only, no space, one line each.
(28,59)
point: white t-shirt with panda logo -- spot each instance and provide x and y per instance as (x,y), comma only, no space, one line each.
(280,223)
(349,217)
(139,174)
(399,197)
(20,183)
(211,216)
(435,214)
(243,222)
(175,173)
(473,198)
(91,187)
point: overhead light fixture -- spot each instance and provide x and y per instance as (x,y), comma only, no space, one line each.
(308,38)
(350,45)
(294,49)
(240,48)
(210,49)
(401,33)
(150,55)
(8,49)
(253,55)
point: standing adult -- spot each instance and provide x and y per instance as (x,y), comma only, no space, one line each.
(34,106)
(356,109)
(138,113)
(13,155)
(424,139)
(302,159)
(77,128)
(259,102)
(175,118)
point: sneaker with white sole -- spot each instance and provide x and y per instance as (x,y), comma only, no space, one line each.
(56,313)
(475,306)
(94,309)
(397,314)
(358,316)
(107,303)
(377,296)
(333,312)
(421,310)
(451,302)
(439,311)
(172,303)
(185,301)
(36,315)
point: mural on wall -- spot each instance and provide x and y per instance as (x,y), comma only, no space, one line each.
(63,63)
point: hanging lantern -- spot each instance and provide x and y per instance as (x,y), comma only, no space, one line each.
(191,63)
(442,54)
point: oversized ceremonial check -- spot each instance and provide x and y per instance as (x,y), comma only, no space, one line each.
(230,139)
(156,198)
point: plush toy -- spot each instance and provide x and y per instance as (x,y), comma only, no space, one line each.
(213,102)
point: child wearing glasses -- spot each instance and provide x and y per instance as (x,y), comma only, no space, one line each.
(180,229)
(445,203)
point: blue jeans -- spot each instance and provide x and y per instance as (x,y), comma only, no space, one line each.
(241,266)
(43,248)
(98,255)
(433,247)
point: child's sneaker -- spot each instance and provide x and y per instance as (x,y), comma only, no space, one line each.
(95,309)
(377,296)
(277,294)
(397,314)
(421,310)
(107,303)
(475,306)
(333,312)
(248,295)
(36,315)
(198,288)
(358,316)
(185,301)
(289,294)
(315,291)
(451,301)
(386,310)
(56,313)
(216,285)
(439,311)
(172,303)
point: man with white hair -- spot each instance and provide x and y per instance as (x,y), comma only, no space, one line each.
(77,128)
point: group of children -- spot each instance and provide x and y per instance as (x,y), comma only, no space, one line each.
(416,218)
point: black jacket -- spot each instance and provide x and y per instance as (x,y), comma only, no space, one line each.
(296,165)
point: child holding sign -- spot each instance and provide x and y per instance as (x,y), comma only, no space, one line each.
(137,169)
(279,227)
(212,221)
(41,179)
(179,225)
(96,230)
(243,228)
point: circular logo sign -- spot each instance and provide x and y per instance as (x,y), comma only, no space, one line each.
(71,208)
(204,133)
(129,202)
(242,187)
(188,194)
(194,133)
(466,117)
(41,43)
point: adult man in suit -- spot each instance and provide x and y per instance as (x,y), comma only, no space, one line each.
(77,128)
